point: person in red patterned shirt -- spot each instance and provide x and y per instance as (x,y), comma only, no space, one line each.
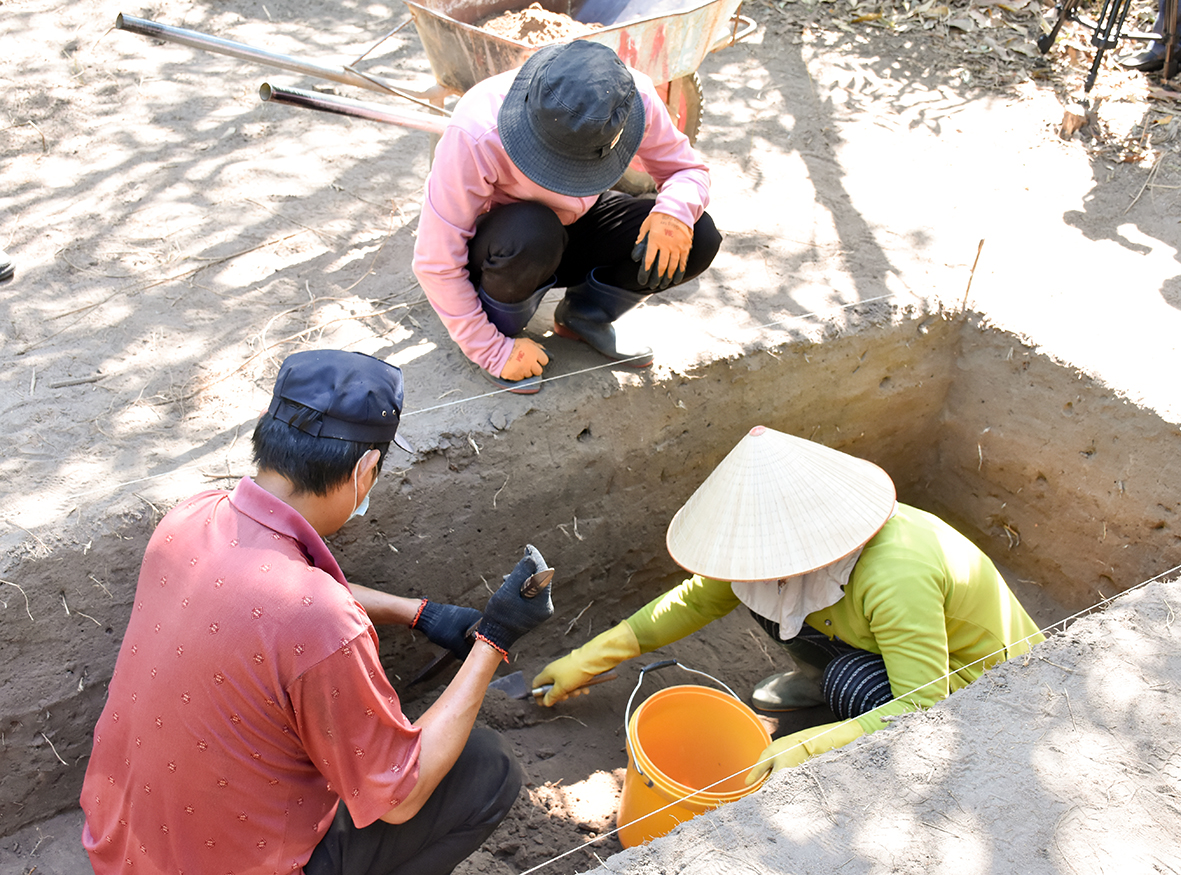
(248,700)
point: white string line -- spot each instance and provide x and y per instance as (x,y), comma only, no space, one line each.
(611,364)
(835,726)
(197,464)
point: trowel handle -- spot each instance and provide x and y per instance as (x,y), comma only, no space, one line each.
(536,582)
(597,679)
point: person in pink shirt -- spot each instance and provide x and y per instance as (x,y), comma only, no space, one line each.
(248,701)
(518,201)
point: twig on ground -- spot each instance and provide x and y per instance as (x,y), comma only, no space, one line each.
(563,717)
(971,274)
(1147,180)
(54,749)
(22,592)
(578,617)
(498,491)
(61,384)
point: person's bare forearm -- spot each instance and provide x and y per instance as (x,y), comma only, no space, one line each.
(446,726)
(383,608)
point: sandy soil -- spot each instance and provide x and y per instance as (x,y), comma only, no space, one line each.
(174,239)
(534,26)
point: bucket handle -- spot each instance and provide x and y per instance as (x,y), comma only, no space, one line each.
(655,666)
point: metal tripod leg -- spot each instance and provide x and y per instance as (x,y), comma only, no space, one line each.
(1045,41)
(1106,36)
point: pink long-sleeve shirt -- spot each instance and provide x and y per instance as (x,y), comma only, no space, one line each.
(472,173)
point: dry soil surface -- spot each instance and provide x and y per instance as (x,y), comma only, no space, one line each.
(174,239)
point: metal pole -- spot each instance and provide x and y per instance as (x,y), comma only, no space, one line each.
(195,39)
(355,108)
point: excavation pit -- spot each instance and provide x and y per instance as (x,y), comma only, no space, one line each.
(1067,485)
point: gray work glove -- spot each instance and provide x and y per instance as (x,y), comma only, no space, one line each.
(509,615)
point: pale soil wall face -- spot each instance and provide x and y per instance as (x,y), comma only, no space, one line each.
(969,421)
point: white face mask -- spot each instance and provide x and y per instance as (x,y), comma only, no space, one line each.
(359,509)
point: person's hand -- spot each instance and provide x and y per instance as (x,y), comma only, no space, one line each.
(662,249)
(509,615)
(447,625)
(598,655)
(526,360)
(791,750)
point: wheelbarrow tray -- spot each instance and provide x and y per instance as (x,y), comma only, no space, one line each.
(666,45)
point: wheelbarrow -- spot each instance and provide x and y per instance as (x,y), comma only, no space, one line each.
(666,39)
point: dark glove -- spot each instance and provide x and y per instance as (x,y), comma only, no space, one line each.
(662,249)
(447,625)
(509,615)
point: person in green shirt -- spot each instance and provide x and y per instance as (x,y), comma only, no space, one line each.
(884,608)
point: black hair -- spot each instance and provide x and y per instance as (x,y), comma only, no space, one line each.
(312,464)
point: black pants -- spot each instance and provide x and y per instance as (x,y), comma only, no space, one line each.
(519,247)
(465,808)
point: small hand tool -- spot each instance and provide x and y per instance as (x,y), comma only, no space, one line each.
(535,583)
(514,686)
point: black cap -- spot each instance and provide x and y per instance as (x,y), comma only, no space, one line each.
(349,396)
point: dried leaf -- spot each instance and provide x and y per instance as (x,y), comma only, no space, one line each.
(964,24)
(872,16)
(982,19)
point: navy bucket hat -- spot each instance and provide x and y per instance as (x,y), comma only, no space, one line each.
(333,393)
(573,118)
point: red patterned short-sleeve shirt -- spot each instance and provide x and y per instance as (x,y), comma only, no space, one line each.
(247,700)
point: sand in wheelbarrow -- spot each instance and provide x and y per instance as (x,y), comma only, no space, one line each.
(535,26)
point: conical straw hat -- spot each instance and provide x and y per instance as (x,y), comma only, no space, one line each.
(778,506)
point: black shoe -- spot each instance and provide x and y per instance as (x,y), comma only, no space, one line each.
(1148,61)
(7,268)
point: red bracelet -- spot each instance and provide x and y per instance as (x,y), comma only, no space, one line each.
(414,622)
(496,647)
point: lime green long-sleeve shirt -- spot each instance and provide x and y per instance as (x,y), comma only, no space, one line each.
(921,595)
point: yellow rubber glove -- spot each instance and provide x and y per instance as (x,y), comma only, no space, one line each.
(526,360)
(791,750)
(662,248)
(602,653)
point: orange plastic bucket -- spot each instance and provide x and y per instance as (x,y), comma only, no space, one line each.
(680,741)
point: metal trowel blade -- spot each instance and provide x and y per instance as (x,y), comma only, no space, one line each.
(514,685)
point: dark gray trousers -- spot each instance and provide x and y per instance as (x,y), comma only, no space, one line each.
(464,810)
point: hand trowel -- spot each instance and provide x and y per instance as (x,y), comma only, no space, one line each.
(514,686)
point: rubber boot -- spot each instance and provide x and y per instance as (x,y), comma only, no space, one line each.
(586,314)
(790,690)
(510,320)
(801,688)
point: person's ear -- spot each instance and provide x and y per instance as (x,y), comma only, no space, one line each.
(367,463)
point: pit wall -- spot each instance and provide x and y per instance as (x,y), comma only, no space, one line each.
(1056,475)
(593,477)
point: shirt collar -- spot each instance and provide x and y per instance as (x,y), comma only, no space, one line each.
(267,510)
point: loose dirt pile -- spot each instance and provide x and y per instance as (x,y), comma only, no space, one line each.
(535,26)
